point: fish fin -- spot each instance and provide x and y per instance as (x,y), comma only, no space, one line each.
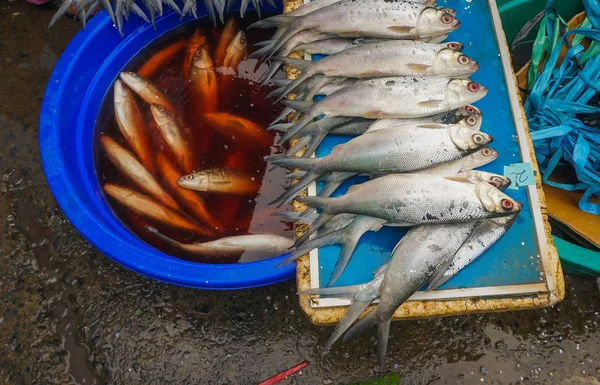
(292,162)
(431,125)
(354,311)
(283,127)
(315,141)
(458,179)
(419,68)
(363,324)
(383,334)
(353,188)
(299,145)
(273,21)
(314,226)
(329,188)
(332,238)
(400,28)
(381,269)
(295,175)
(431,103)
(295,189)
(292,131)
(337,291)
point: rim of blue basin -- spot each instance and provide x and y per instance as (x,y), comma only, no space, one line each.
(79,83)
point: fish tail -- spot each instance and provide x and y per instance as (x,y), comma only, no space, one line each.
(383,334)
(284,114)
(292,131)
(296,188)
(306,73)
(299,145)
(108,9)
(312,201)
(349,241)
(295,175)
(268,76)
(329,188)
(294,216)
(337,291)
(263,43)
(283,127)
(279,21)
(314,226)
(298,105)
(363,324)
(292,162)
(315,141)
(138,11)
(275,92)
(281,82)
(61,11)
(266,47)
(354,311)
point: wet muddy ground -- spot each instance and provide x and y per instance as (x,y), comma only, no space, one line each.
(70,316)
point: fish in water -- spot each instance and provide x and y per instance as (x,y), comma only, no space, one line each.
(148,207)
(197,40)
(241,131)
(172,133)
(190,199)
(249,248)
(229,32)
(202,87)
(415,259)
(393,150)
(388,58)
(236,52)
(486,234)
(398,97)
(131,124)
(222,181)
(366,18)
(127,164)
(146,90)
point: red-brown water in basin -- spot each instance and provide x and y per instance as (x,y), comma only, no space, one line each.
(240,95)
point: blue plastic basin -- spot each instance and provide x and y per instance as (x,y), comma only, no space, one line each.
(74,94)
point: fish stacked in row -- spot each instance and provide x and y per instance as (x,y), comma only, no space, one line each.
(158,161)
(405,96)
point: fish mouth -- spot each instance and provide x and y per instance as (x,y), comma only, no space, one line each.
(475,67)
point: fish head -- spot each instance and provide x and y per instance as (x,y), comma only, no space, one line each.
(449,10)
(454,45)
(122,93)
(498,181)
(161,114)
(460,92)
(198,181)
(495,201)
(480,158)
(468,139)
(133,81)
(466,111)
(239,42)
(202,59)
(449,62)
(432,22)
(472,122)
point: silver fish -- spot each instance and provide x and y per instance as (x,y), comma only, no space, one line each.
(414,260)
(411,199)
(486,234)
(388,58)
(366,18)
(361,296)
(399,97)
(394,150)
(253,247)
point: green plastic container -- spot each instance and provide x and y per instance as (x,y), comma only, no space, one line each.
(515,13)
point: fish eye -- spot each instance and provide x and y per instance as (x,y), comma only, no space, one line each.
(447,19)
(243,39)
(462,59)
(507,204)
(478,138)
(473,87)
(486,151)
(453,46)
(160,108)
(471,121)
(188,177)
(496,182)
(470,109)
